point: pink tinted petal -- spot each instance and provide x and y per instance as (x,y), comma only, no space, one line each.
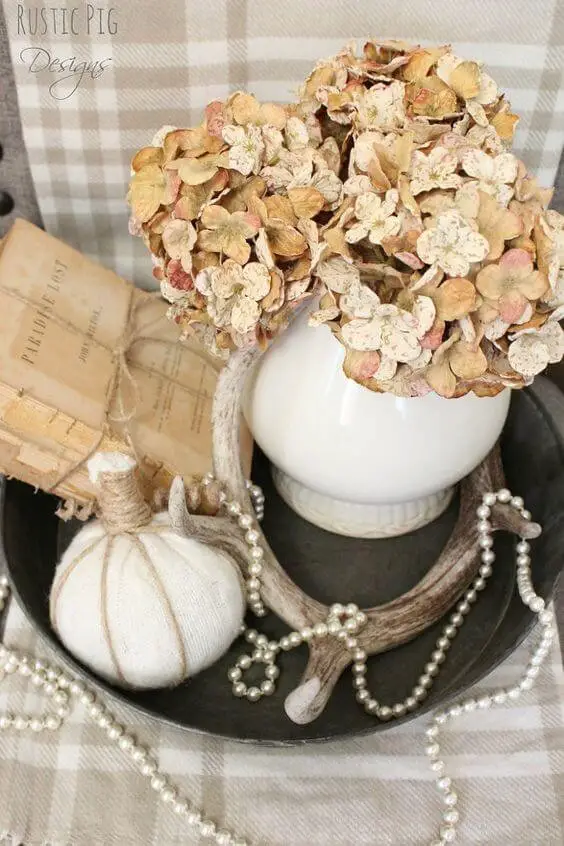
(516,259)
(433,338)
(215,118)
(410,259)
(253,220)
(366,365)
(178,277)
(512,306)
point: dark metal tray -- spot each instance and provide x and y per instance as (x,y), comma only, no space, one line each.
(334,568)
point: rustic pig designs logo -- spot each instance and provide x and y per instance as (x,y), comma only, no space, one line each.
(67,72)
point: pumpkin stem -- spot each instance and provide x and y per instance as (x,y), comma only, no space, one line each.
(122,505)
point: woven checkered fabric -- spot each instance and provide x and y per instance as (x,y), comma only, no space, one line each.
(76,788)
(164,61)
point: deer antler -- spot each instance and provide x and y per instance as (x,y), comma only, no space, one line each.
(387,625)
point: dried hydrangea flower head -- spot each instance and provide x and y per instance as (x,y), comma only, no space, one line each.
(229,212)
(390,191)
(442,269)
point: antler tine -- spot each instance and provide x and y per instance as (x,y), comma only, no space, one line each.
(214,531)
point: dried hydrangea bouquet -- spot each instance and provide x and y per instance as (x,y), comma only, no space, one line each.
(385,208)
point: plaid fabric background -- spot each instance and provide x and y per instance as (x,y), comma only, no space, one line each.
(168,59)
(76,787)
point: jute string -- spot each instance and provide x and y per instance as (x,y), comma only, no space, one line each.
(123,511)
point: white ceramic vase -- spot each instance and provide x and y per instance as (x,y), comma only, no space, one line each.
(356,462)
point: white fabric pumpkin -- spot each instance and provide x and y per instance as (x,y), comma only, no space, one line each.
(155,609)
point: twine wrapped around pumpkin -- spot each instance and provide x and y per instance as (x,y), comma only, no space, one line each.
(133,600)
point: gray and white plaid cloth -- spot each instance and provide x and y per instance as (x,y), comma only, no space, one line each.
(162,62)
(76,788)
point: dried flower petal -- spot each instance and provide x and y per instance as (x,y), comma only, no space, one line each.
(195,171)
(361,366)
(246,148)
(359,301)
(337,274)
(179,237)
(297,135)
(467,361)
(513,274)
(382,106)
(452,244)
(284,240)
(436,170)
(228,233)
(530,353)
(375,217)
(147,189)
(494,175)
(306,202)
(454,299)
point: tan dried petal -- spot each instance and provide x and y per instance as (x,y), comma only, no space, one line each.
(505,124)
(454,299)
(195,171)
(191,202)
(323,315)
(281,208)
(441,379)
(319,77)
(306,202)
(238,198)
(379,180)
(275,297)
(335,239)
(228,233)
(274,115)
(263,251)
(420,63)
(432,98)
(285,241)
(467,361)
(465,80)
(331,153)
(146,192)
(245,107)
(406,196)
(147,156)
(497,224)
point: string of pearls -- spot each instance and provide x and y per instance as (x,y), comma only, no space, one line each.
(450,816)
(344,622)
(256,554)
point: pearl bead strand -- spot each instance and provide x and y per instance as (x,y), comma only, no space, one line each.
(343,622)
(256,554)
(63,689)
(503,696)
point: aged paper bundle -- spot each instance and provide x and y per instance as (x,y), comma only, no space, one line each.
(89,362)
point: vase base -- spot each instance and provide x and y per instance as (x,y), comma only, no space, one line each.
(358,520)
